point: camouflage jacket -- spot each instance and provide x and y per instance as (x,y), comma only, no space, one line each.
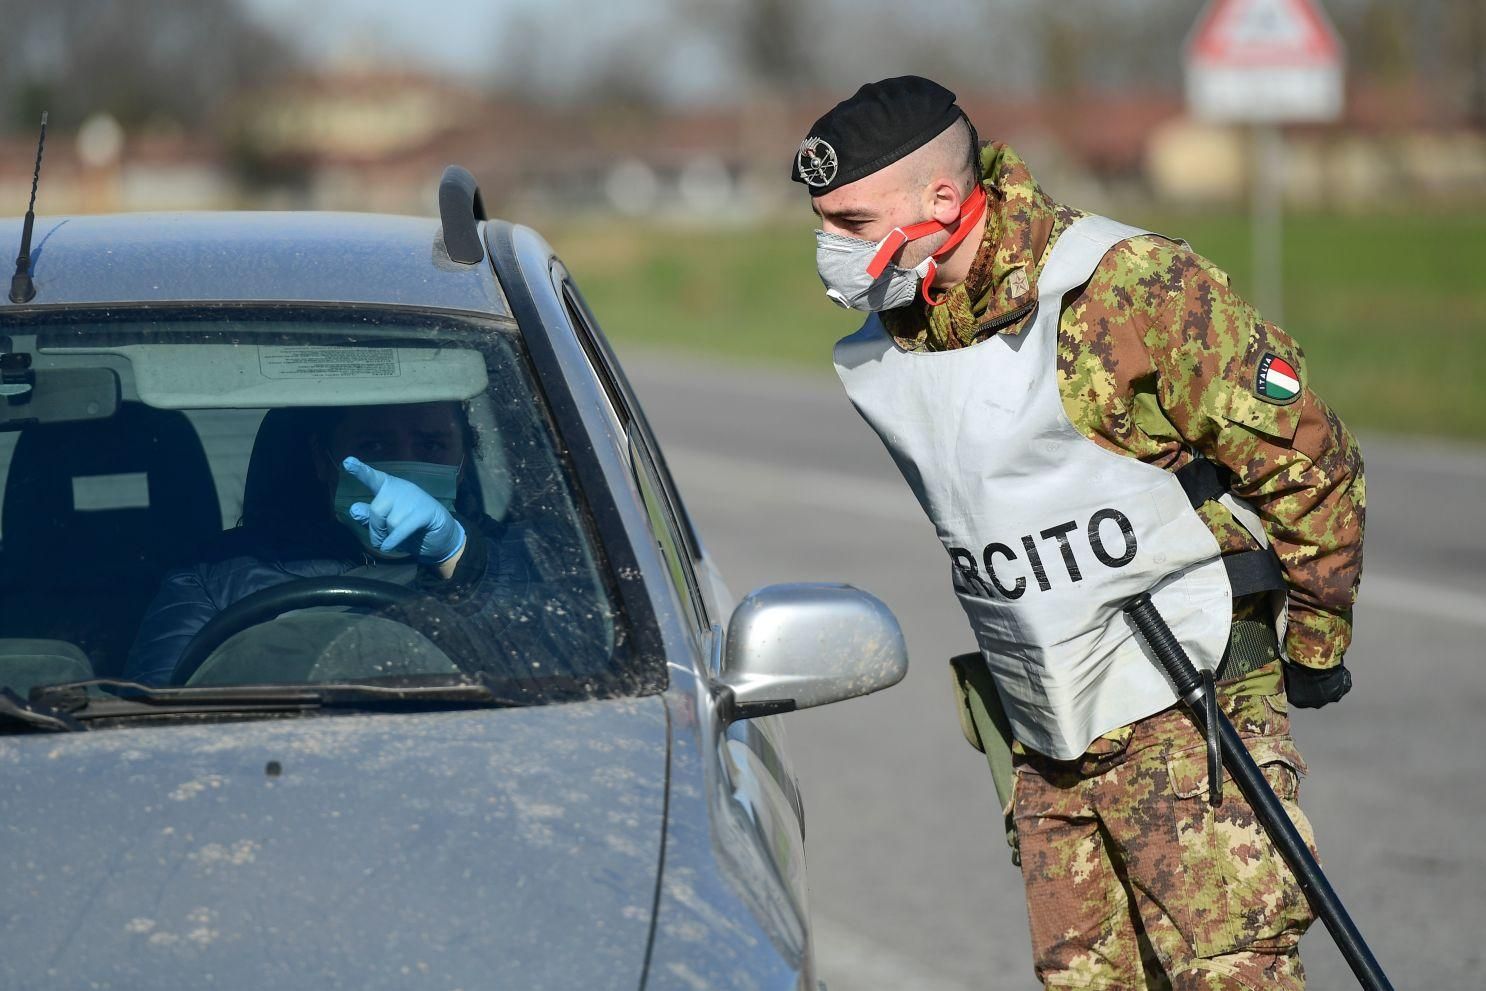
(1158,358)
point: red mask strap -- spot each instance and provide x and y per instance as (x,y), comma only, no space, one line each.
(888,247)
(974,206)
(969,214)
(923,287)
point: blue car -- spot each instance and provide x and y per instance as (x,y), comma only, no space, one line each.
(353,632)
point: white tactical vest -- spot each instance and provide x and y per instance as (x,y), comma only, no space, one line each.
(1049,535)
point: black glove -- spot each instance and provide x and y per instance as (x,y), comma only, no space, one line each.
(1311,688)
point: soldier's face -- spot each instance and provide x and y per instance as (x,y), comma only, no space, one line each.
(875,204)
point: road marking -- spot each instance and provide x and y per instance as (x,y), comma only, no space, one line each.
(835,491)
(848,961)
(816,385)
(1441,457)
(1421,598)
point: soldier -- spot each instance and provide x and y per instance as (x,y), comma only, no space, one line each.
(1087,411)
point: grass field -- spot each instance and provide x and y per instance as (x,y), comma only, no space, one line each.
(1391,310)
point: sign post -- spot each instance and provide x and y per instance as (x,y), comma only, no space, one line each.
(1265,63)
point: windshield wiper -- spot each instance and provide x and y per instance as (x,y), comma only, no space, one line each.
(16,711)
(107,697)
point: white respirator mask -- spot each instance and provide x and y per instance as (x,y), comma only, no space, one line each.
(860,275)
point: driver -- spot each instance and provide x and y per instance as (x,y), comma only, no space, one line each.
(389,494)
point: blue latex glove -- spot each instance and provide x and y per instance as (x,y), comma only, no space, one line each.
(402,512)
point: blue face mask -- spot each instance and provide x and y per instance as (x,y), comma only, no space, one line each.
(439,481)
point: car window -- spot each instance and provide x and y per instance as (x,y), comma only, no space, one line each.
(159,469)
(617,385)
(668,535)
(583,326)
(669,520)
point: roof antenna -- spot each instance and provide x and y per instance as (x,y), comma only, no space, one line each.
(21,288)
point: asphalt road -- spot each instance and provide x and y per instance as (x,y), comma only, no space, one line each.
(911,883)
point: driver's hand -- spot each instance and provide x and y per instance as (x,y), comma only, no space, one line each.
(400,512)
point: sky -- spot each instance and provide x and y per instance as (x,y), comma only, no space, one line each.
(460,34)
(689,49)
(470,37)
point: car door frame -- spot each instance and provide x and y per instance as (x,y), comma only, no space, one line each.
(767,872)
(753,750)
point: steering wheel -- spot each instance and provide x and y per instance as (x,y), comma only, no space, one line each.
(415,609)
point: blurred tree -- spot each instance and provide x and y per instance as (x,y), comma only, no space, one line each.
(1106,44)
(1471,15)
(840,44)
(1063,36)
(1383,48)
(537,59)
(771,45)
(142,61)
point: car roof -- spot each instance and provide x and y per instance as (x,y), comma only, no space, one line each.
(311,257)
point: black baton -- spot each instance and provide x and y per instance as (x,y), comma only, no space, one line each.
(1193,690)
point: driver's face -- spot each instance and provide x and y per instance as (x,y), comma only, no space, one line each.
(428,432)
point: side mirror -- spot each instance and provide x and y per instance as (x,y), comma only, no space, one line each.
(794,646)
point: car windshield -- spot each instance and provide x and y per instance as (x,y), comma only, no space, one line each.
(176,510)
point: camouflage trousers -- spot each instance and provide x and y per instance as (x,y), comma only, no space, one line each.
(1135,881)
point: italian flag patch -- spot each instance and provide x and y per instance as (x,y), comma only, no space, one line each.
(1278,381)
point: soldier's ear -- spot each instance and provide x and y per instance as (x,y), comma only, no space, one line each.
(945,200)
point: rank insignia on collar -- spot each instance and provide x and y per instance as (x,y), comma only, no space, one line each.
(1277,382)
(1016,283)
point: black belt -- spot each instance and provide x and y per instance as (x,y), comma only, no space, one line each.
(1254,571)
(1248,571)
(1251,644)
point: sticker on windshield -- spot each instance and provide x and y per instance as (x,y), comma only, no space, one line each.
(289,362)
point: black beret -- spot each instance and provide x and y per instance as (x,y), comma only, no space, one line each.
(882,122)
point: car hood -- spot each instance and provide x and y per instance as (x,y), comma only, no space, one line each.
(486,848)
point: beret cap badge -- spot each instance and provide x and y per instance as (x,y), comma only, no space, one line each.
(816,161)
(876,126)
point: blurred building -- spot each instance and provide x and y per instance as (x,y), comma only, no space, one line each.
(150,171)
(1393,146)
(361,138)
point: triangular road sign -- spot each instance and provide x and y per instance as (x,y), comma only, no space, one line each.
(1264,61)
(1264,32)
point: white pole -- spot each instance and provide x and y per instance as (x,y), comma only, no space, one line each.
(1267,202)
